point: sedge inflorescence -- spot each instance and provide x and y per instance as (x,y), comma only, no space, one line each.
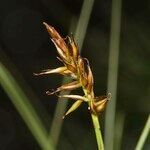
(78,69)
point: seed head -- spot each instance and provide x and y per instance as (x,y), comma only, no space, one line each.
(78,69)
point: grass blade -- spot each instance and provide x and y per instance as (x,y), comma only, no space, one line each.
(119,126)
(144,135)
(24,108)
(113,72)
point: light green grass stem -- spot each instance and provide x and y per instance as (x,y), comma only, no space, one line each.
(98,134)
(24,107)
(119,127)
(113,73)
(144,135)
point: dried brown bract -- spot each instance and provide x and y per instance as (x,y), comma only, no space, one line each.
(78,69)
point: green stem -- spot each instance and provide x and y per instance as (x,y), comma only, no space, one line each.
(144,135)
(96,123)
(97,132)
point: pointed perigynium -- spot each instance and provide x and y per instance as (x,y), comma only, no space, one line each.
(78,69)
(99,104)
(69,86)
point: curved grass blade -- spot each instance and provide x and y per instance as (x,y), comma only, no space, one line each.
(144,135)
(24,107)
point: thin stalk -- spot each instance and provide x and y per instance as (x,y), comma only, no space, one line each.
(144,135)
(96,124)
(98,134)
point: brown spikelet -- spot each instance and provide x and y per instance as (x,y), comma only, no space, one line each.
(59,70)
(78,69)
(73,107)
(73,47)
(82,73)
(90,80)
(69,86)
(75,97)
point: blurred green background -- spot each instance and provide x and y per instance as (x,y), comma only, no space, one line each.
(25,48)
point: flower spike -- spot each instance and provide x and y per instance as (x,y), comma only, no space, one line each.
(79,70)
